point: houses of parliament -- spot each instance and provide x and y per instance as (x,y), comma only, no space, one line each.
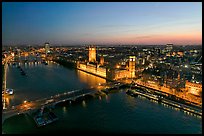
(98,68)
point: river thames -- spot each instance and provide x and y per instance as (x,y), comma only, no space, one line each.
(114,113)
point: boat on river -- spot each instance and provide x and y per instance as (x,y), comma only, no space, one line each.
(9,91)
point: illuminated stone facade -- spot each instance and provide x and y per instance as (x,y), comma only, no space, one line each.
(132,66)
(91,68)
(119,74)
(180,53)
(109,73)
(193,88)
(25,54)
(101,60)
(92,54)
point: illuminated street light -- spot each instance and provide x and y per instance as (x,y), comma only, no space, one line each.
(12,54)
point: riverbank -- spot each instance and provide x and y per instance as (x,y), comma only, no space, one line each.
(165,100)
(72,65)
(2,72)
(67,64)
(188,107)
(40,122)
(103,114)
(107,114)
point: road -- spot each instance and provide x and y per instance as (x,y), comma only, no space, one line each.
(32,105)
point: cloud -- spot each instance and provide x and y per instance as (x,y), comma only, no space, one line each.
(113,26)
(140,37)
(144,37)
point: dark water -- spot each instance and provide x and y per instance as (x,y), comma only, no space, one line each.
(115,113)
(45,80)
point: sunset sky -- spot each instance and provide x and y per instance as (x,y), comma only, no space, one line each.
(102,23)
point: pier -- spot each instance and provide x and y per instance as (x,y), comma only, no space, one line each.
(165,100)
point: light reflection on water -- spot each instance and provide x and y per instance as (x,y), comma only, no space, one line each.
(112,113)
(46,80)
(89,79)
(64,109)
(84,103)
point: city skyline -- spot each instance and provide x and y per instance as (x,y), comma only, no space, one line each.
(88,23)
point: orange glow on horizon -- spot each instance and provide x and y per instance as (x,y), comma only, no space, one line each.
(163,38)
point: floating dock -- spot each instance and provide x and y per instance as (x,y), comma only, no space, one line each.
(45,118)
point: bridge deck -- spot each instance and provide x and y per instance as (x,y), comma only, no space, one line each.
(32,105)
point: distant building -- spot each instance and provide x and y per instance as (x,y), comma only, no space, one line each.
(180,53)
(193,88)
(92,54)
(47,48)
(143,61)
(169,47)
(148,57)
(110,73)
(102,60)
(179,77)
(18,52)
(91,66)
(119,74)
(132,60)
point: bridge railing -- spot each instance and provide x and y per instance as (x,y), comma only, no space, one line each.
(44,100)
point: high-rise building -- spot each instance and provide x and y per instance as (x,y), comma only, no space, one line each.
(169,47)
(47,48)
(179,76)
(18,52)
(193,78)
(148,57)
(92,54)
(143,61)
(132,60)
